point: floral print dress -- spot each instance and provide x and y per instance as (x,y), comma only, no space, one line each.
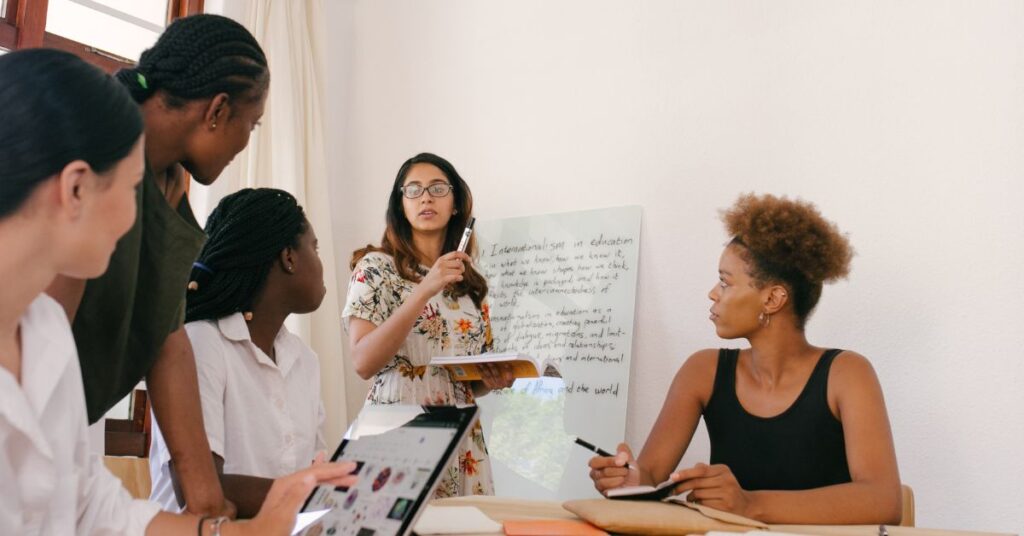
(447,326)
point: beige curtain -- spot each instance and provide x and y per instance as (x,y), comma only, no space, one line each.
(287,152)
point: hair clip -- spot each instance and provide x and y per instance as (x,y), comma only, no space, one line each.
(142,80)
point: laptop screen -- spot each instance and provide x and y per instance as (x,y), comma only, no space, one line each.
(399,466)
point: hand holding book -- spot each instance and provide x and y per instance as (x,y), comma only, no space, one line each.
(497,375)
(468,367)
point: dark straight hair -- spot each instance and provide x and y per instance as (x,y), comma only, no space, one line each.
(397,239)
(198,57)
(57,109)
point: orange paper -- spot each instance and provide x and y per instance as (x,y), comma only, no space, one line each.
(551,527)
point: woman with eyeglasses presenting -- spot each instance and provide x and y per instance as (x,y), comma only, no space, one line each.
(416,297)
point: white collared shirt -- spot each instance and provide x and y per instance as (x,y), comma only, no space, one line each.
(264,418)
(50,483)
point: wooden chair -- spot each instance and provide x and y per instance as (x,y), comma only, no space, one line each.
(908,507)
(130,437)
(133,473)
(127,446)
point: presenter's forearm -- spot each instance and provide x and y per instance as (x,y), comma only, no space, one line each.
(374,346)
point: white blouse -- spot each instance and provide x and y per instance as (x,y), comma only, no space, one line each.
(50,483)
(264,418)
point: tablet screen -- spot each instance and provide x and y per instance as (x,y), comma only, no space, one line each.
(398,470)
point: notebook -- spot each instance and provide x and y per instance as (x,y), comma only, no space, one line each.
(643,493)
(399,464)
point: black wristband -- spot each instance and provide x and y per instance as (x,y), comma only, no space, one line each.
(199,527)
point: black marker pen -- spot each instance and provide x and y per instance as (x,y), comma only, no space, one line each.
(464,243)
(600,451)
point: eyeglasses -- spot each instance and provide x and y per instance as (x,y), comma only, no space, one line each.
(438,189)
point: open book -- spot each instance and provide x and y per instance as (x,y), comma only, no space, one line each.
(464,367)
(643,493)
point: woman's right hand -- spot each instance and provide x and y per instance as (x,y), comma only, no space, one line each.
(617,471)
(278,513)
(447,270)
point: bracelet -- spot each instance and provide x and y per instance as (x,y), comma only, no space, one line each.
(217,522)
(216,525)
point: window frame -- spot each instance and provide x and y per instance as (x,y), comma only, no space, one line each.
(24,26)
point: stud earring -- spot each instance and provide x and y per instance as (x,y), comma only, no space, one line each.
(213,124)
(192,285)
(247,316)
(764,319)
(290,269)
(455,211)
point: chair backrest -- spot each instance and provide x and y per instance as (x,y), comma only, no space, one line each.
(908,507)
(130,437)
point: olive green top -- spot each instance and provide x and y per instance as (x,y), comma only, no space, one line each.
(128,312)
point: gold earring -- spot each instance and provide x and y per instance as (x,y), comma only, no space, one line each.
(247,316)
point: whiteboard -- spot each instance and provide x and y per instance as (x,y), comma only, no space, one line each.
(561,286)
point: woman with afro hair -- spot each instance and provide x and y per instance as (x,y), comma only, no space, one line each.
(799,433)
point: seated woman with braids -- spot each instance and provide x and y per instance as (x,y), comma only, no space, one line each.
(258,383)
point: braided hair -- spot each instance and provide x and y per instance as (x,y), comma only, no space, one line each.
(247,232)
(196,57)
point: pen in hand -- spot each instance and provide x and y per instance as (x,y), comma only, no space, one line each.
(464,243)
(600,451)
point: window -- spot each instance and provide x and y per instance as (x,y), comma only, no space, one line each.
(108,33)
(121,27)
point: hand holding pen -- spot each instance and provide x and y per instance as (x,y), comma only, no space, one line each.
(448,269)
(612,471)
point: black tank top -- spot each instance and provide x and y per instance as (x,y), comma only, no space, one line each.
(801,448)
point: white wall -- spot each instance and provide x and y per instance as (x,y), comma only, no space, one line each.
(903,121)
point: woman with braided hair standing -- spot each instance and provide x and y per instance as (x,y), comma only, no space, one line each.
(201,89)
(257,381)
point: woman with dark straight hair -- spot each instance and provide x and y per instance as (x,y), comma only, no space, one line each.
(71,158)
(201,89)
(415,297)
